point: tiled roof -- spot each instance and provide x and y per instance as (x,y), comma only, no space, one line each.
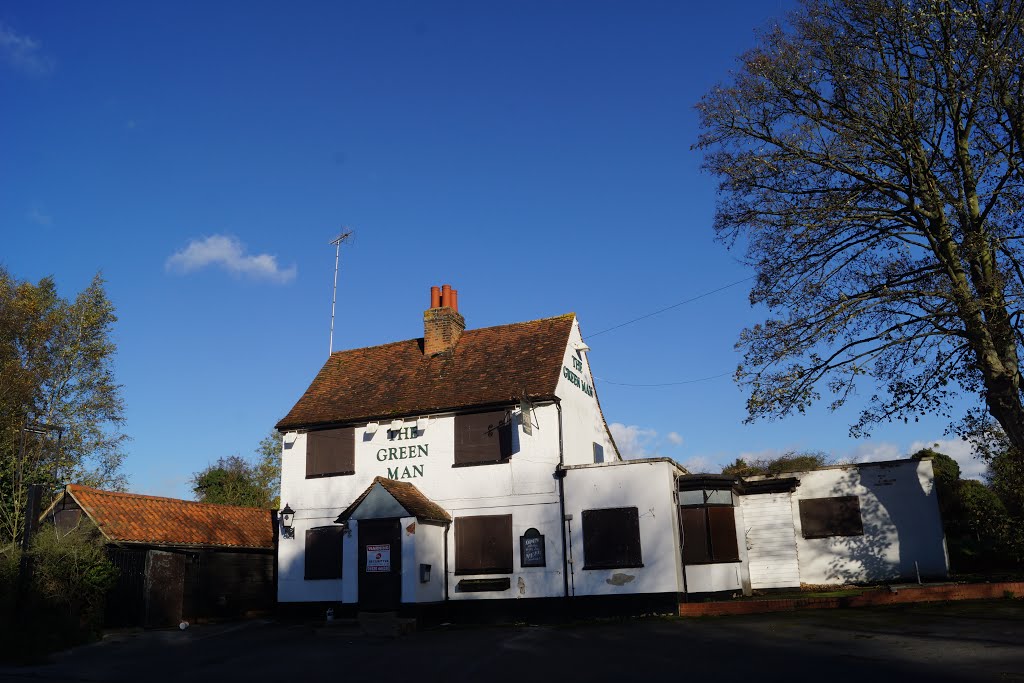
(134,518)
(408,496)
(489,366)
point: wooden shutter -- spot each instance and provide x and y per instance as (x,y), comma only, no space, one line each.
(480,438)
(323,553)
(483,544)
(330,452)
(722,528)
(824,517)
(611,538)
(695,536)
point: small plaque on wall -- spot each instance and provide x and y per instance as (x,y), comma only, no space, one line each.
(531,549)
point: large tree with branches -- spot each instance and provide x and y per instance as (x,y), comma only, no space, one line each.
(871,162)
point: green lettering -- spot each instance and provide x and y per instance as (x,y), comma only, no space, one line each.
(401,453)
(392,473)
(417,470)
(405,473)
(391,453)
(422,451)
(382,455)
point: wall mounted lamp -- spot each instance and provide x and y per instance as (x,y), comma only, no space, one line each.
(287,521)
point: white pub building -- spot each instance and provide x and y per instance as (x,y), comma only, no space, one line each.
(472,465)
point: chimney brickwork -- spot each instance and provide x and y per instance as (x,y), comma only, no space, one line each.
(442,322)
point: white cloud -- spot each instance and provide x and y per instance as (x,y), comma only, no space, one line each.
(698,464)
(633,441)
(971,467)
(23,53)
(674,438)
(876,451)
(228,253)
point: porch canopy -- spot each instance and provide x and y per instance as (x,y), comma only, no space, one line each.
(386,498)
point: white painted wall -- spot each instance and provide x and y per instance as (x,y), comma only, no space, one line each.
(526,582)
(901,518)
(429,547)
(712,578)
(583,423)
(523,483)
(770,540)
(648,486)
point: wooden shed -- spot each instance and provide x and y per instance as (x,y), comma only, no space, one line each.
(178,560)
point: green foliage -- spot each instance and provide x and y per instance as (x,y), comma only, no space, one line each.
(947,470)
(63,603)
(268,466)
(791,461)
(981,533)
(236,481)
(56,368)
(1006,477)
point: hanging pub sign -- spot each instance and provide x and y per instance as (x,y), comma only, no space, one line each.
(531,549)
(378,558)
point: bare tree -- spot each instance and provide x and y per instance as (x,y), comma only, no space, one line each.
(870,161)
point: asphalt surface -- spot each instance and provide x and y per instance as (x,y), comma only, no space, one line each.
(957,642)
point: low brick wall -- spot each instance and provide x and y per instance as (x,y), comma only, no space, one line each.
(870,598)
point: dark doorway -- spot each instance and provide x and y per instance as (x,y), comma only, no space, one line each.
(380,564)
(165,584)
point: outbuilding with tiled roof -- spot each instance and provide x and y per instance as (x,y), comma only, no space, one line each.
(177,559)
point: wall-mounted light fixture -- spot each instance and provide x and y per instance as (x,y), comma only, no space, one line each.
(396,425)
(421,424)
(581,346)
(372,427)
(287,521)
(424,573)
(289,437)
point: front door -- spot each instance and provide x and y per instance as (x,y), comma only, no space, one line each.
(380,564)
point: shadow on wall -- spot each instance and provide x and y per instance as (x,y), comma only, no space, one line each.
(901,527)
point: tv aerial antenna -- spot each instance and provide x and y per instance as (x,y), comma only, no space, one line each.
(344,236)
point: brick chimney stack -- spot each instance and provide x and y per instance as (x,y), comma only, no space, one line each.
(442,323)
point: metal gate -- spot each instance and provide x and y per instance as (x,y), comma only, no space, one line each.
(126,602)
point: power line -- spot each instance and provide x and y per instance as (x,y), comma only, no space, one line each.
(669,308)
(663,384)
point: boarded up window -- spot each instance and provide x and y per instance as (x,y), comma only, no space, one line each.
(330,453)
(323,553)
(611,538)
(722,525)
(483,544)
(709,534)
(482,438)
(823,517)
(696,546)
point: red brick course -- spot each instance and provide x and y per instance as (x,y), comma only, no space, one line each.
(871,598)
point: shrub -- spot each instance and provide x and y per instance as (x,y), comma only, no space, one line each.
(64,601)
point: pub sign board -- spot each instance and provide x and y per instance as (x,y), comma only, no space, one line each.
(531,549)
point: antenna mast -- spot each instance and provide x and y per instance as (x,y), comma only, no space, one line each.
(343,237)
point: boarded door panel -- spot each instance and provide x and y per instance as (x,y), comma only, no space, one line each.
(771,541)
(126,601)
(165,579)
(380,564)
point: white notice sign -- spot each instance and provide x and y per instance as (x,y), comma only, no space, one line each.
(378,558)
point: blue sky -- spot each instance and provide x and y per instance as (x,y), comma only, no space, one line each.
(534,155)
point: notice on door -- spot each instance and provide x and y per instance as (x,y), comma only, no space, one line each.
(378,558)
